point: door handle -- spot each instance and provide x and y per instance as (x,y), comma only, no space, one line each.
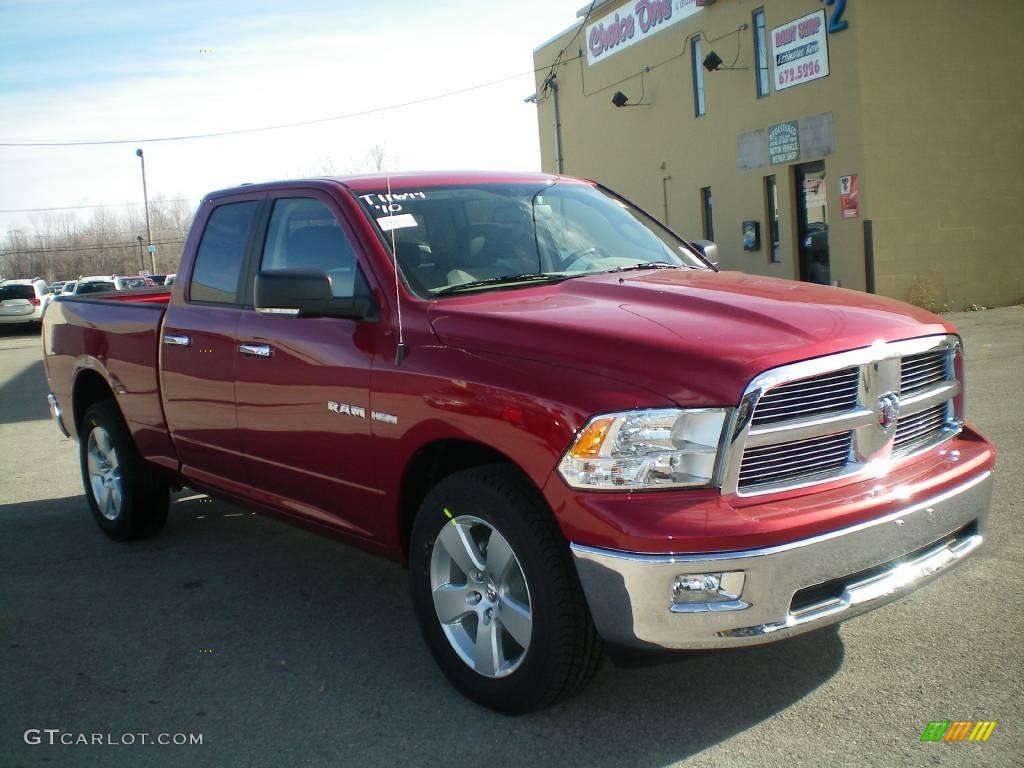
(176,340)
(255,350)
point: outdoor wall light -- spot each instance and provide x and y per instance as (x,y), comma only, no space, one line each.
(620,99)
(712,61)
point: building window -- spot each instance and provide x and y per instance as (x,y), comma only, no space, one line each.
(698,76)
(761,54)
(771,201)
(706,217)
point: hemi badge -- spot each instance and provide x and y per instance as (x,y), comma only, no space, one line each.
(387,418)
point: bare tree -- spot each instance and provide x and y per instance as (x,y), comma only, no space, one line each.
(61,246)
(375,160)
(326,165)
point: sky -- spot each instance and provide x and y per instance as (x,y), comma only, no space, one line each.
(99,69)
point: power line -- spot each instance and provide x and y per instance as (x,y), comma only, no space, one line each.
(86,247)
(131,233)
(94,205)
(363,113)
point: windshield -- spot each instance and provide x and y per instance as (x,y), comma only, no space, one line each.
(95,287)
(485,236)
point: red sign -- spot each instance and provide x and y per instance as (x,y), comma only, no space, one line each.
(849,202)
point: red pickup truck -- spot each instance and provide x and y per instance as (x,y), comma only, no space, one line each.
(576,432)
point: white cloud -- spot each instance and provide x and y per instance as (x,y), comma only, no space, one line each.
(269,70)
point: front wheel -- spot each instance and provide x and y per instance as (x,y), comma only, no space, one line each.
(127,498)
(496,593)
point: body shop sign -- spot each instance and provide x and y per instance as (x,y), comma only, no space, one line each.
(632,23)
(800,49)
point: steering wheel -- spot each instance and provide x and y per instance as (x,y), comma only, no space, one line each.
(579,260)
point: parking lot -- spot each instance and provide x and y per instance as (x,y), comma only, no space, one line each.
(285,649)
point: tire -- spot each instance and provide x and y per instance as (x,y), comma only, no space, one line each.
(541,645)
(127,497)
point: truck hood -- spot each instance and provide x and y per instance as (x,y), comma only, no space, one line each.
(695,337)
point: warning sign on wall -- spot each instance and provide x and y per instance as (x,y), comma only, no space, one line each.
(849,203)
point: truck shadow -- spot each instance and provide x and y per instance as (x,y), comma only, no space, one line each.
(23,398)
(20,330)
(274,642)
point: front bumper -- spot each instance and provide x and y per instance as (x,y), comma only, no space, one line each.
(57,414)
(790,588)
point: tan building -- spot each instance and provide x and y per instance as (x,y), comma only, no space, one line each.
(875,145)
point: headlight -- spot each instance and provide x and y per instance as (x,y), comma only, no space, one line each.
(636,450)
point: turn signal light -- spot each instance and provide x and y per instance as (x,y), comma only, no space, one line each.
(589,443)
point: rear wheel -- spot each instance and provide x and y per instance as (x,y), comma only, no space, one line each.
(496,593)
(128,499)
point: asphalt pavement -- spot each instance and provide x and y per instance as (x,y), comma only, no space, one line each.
(280,648)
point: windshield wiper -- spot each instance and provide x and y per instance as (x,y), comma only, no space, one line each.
(526,277)
(649,265)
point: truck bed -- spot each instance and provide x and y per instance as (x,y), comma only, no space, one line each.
(156,295)
(116,336)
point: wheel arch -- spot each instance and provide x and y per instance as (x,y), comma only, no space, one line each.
(90,387)
(435,461)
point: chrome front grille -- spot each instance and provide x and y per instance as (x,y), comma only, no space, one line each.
(799,459)
(922,371)
(833,392)
(921,427)
(831,417)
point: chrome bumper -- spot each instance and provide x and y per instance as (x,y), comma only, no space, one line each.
(58,415)
(787,589)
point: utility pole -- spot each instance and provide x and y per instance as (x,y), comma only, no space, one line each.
(145,200)
(665,179)
(559,165)
(142,261)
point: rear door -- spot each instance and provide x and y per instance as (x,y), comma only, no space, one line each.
(303,384)
(198,350)
(17,301)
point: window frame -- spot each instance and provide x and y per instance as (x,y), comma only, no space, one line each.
(771,212)
(700,107)
(761,51)
(707,215)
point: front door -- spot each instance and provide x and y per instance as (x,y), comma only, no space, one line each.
(303,384)
(812,223)
(197,351)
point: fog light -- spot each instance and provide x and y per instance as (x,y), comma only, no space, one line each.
(707,588)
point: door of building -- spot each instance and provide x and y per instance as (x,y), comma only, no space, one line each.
(812,223)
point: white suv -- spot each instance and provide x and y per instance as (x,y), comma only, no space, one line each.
(95,284)
(127,283)
(23,301)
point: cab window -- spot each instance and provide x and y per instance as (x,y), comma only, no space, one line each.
(304,234)
(218,266)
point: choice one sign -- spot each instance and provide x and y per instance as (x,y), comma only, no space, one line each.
(632,23)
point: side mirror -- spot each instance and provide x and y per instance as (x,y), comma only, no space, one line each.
(708,250)
(307,293)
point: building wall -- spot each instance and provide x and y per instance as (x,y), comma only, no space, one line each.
(942,84)
(928,170)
